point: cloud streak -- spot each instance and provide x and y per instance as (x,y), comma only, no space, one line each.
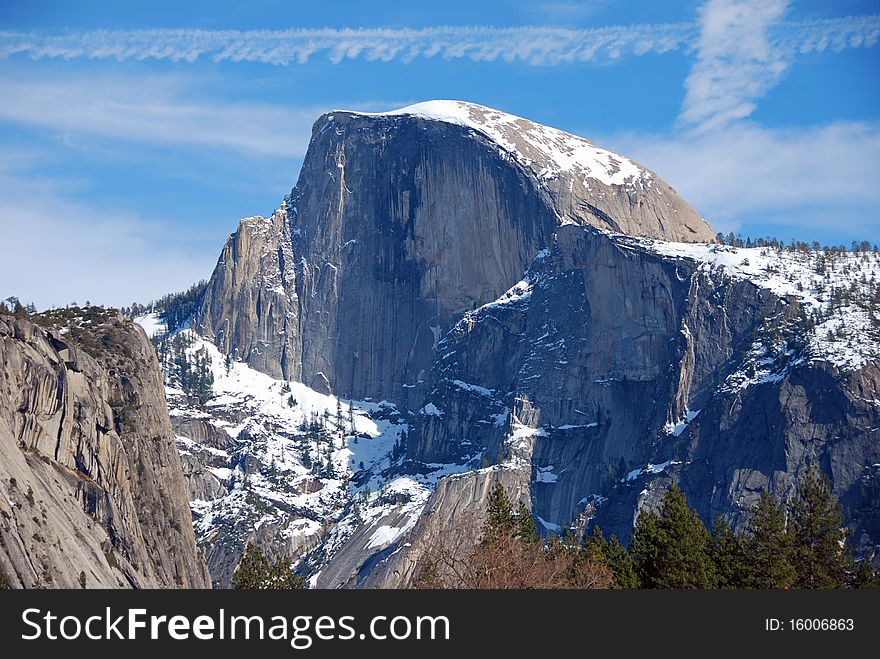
(745,48)
(736,61)
(155,110)
(530,44)
(808,175)
(534,45)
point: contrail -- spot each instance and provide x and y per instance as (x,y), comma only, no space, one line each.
(533,45)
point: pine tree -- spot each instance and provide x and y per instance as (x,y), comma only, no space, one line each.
(505,520)
(340,424)
(501,518)
(621,564)
(645,546)
(525,525)
(254,572)
(865,576)
(616,557)
(284,578)
(671,550)
(768,548)
(726,549)
(821,558)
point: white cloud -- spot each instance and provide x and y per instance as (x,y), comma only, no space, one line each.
(816,176)
(57,249)
(156,110)
(745,48)
(831,34)
(736,61)
(531,44)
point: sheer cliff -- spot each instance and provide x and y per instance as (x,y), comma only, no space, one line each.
(535,309)
(92,489)
(401,222)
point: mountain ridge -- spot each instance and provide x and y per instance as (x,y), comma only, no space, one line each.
(518,335)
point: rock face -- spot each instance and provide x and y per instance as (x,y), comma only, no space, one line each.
(611,371)
(400,223)
(251,303)
(527,302)
(92,489)
(451,522)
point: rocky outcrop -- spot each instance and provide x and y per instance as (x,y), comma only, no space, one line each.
(400,223)
(91,489)
(486,275)
(612,371)
(448,530)
(250,307)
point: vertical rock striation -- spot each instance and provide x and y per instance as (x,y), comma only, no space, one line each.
(400,223)
(505,284)
(91,489)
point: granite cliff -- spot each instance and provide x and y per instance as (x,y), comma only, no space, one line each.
(530,307)
(93,495)
(400,223)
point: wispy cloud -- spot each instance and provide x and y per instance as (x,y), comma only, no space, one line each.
(156,110)
(730,168)
(736,61)
(538,45)
(807,175)
(57,249)
(745,48)
(530,44)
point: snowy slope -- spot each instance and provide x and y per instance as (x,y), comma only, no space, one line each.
(554,150)
(313,491)
(837,290)
(275,485)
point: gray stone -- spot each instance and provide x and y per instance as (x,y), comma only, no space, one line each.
(91,483)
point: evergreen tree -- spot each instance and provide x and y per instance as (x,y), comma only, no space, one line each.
(284,578)
(821,558)
(645,546)
(501,518)
(525,524)
(768,548)
(671,550)
(254,572)
(732,568)
(616,557)
(621,564)
(340,422)
(865,576)
(505,520)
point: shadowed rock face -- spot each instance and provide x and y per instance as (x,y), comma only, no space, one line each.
(391,270)
(611,347)
(93,493)
(605,377)
(399,224)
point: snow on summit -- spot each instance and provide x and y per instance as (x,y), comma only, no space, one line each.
(549,151)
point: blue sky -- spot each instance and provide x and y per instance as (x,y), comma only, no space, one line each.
(133,136)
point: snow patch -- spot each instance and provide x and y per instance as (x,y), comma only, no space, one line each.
(549,152)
